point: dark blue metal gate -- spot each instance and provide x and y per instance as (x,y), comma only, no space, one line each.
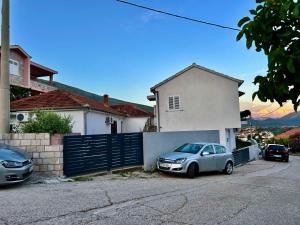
(241,156)
(94,153)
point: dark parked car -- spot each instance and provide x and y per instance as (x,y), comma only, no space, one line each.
(275,151)
(15,166)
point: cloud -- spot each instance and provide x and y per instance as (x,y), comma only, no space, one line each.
(260,109)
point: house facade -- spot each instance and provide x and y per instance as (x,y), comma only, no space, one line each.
(198,98)
(88,116)
(25,73)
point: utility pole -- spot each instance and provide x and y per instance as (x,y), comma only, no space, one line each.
(4,77)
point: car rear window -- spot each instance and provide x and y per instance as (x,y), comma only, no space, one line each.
(276,147)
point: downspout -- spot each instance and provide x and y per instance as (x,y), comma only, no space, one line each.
(85,112)
(85,121)
(157,111)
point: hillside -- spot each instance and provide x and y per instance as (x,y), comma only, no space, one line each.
(291,119)
(292,115)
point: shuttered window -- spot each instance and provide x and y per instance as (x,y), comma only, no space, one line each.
(174,102)
(13,67)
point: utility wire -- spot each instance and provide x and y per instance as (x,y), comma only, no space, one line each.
(269,113)
(178,16)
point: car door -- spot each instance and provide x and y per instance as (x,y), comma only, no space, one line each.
(220,156)
(207,162)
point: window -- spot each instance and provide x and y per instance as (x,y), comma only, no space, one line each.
(189,148)
(209,149)
(220,149)
(174,103)
(13,67)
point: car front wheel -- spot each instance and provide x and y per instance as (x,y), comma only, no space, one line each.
(228,168)
(192,170)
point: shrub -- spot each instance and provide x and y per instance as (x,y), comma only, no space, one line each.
(47,122)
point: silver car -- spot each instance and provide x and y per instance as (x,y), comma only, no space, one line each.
(193,158)
(15,166)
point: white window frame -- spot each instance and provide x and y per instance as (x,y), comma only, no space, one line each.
(173,102)
(14,67)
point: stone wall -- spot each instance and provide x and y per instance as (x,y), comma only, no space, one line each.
(47,158)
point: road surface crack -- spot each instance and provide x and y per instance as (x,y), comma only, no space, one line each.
(233,215)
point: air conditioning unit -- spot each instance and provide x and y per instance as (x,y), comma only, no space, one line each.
(22,117)
(109,120)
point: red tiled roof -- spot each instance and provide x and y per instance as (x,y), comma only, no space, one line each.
(59,99)
(288,133)
(131,110)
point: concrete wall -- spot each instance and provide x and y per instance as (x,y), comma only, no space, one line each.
(254,152)
(96,123)
(157,143)
(207,102)
(131,125)
(48,159)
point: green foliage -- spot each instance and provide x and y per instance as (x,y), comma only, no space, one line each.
(18,93)
(275,29)
(47,122)
(282,141)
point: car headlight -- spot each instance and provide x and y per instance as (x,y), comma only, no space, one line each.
(181,160)
(11,164)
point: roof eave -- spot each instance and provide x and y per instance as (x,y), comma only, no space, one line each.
(194,65)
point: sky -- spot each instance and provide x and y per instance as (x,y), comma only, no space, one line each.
(107,47)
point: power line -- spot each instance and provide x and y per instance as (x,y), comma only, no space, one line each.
(178,16)
(269,113)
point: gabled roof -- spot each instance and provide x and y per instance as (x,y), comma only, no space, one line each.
(194,65)
(288,133)
(92,96)
(131,110)
(59,100)
(20,49)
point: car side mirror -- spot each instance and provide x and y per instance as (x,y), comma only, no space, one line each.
(205,153)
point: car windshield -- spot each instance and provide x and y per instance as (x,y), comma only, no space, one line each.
(276,147)
(189,148)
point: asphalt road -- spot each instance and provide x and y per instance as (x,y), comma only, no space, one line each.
(258,193)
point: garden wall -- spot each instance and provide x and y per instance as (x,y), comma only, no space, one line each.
(47,158)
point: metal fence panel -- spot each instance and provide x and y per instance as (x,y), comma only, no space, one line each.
(241,156)
(94,153)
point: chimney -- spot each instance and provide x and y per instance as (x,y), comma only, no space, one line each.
(105,100)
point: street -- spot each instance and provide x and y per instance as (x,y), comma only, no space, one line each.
(261,192)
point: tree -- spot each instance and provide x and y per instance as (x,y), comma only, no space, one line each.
(275,29)
(18,93)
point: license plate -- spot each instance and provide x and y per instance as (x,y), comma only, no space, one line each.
(277,156)
(165,165)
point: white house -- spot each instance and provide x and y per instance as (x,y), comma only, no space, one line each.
(198,98)
(88,116)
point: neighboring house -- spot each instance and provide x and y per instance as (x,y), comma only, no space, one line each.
(88,116)
(288,134)
(25,73)
(198,98)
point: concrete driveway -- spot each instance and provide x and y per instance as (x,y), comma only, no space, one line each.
(261,192)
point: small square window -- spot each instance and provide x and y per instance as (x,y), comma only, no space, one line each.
(174,102)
